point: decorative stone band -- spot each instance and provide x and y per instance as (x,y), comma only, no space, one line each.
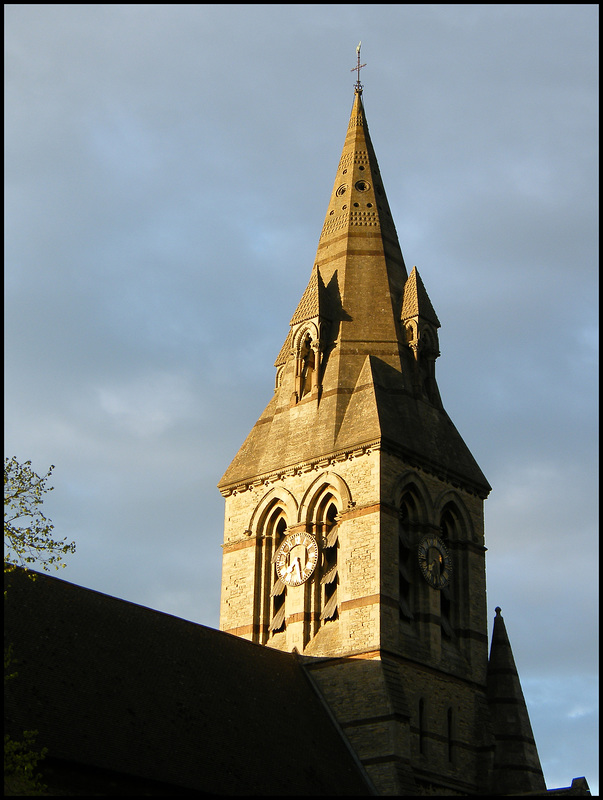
(249,630)
(243,630)
(351,513)
(359,450)
(240,544)
(345,239)
(368,600)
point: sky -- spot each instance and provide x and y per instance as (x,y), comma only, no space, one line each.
(167,173)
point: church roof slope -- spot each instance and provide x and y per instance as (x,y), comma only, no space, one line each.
(113,685)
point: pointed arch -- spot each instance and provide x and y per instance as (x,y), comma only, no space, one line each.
(276,495)
(307,328)
(412,502)
(275,532)
(455,529)
(428,339)
(306,346)
(411,482)
(324,483)
(451,503)
(410,328)
(323,502)
(278,379)
(270,520)
(326,522)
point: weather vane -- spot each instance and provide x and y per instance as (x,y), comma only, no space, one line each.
(357,69)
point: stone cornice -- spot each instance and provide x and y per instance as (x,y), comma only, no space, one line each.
(320,462)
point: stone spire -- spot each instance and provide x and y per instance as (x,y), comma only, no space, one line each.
(358,253)
(421,328)
(350,374)
(516,763)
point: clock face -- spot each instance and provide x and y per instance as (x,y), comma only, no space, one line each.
(435,561)
(296,558)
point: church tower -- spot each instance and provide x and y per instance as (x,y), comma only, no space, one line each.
(354,526)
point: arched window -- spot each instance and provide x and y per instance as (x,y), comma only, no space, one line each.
(319,511)
(449,534)
(306,347)
(407,520)
(426,342)
(276,527)
(327,532)
(307,366)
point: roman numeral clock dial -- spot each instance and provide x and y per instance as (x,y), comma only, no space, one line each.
(296,558)
(435,561)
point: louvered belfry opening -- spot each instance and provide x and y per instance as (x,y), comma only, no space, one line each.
(330,539)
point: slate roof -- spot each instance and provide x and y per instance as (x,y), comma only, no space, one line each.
(113,685)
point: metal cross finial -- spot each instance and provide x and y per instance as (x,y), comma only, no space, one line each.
(357,69)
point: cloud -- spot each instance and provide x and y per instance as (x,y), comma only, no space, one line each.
(146,405)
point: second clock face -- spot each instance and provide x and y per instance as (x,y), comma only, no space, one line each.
(435,561)
(296,558)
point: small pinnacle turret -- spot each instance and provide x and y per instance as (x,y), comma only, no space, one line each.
(516,763)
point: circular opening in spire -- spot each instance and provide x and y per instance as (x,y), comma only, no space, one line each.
(362,186)
(342,190)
